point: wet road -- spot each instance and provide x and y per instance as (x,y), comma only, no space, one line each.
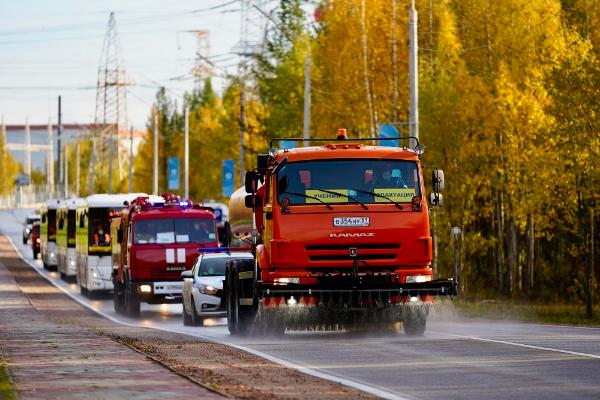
(466,359)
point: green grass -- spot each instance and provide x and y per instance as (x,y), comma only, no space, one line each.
(572,314)
(7,391)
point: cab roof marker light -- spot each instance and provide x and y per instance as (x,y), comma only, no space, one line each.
(222,249)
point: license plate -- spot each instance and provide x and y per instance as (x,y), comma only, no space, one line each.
(351,221)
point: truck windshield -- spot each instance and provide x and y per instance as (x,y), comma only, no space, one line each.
(174,230)
(99,228)
(363,180)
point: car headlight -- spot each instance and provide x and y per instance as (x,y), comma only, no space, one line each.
(418,278)
(145,288)
(37,240)
(207,289)
(27,230)
(73,262)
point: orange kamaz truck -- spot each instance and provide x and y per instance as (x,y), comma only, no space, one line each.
(341,239)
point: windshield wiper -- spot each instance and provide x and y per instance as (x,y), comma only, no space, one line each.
(345,195)
(306,196)
(378,195)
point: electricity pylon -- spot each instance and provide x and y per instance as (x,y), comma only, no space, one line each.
(111,109)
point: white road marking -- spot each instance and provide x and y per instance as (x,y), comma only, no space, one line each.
(298,367)
(528,346)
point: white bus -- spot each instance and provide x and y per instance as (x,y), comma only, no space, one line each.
(65,237)
(48,233)
(93,244)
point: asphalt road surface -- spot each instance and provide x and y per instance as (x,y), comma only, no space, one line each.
(456,359)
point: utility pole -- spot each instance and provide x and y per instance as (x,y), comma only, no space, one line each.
(394,62)
(50,161)
(27,148)
(131,160)
(110,161)
(186,152)
(306,127)
(77,171)
(58,148)
(413,64)
(66,170)
(366,70)
(155,187)
(242,122)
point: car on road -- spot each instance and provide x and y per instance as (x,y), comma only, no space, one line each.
(203,287)
(35,239)
(31,218)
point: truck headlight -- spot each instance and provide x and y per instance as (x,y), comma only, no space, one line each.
(207,289)
(145,288)
(418,278)
(285,281)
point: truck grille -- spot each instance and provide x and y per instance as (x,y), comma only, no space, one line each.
(157,274)
(335,252)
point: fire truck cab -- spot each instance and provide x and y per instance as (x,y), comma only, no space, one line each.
(158,240)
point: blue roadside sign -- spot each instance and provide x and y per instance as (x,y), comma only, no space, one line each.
(388,131)
(287,144)
(228,177)
(173,180)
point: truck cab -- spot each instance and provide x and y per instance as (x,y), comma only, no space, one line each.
(158,241)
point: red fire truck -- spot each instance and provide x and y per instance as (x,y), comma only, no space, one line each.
(157,241)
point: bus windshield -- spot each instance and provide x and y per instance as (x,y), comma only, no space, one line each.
(174,230)
(99,228)
(52,225)
(71,228)
(343,181)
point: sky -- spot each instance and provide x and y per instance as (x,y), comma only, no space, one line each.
(52,47)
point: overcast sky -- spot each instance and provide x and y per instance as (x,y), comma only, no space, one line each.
(52,47)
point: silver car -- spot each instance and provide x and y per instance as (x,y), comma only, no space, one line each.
(203,287)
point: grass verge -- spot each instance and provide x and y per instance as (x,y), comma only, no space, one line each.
(7,391)
(572,314)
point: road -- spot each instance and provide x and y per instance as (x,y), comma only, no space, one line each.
(456,359)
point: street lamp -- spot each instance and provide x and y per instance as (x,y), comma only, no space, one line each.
(456,235)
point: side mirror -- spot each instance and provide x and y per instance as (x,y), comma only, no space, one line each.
(252,201)
(119,236)
(262,163)
(251,182)
(437,180)
(187,274)
(435,199)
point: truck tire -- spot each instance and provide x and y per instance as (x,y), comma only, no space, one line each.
(118,297)
(239,318)
(195,319)
(132,303)
(187,320)
(415,323)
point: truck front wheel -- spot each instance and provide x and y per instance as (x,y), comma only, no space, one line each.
(415,322)
(118,297)
(132,303)
(239,318)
